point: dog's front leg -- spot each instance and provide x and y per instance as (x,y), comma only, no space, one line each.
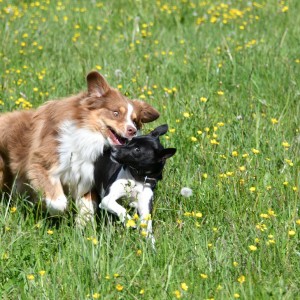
(86,208)
(109,202)
(144,207)
(51,188)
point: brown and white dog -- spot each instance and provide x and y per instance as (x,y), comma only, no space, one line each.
(53,149)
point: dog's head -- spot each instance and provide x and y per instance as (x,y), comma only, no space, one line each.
(106,110)
(144,152)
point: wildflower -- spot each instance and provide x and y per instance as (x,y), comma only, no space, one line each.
(186,115)
(298,222)
(13,209)
(292,232)
(252,189)
(220,93)
(214,142)
(204,175)
(274,121)
(186,192)
(177,294)
(116,275)
(96,296)
(95,241)
(184,286)
(257,240)
(271,213)
(234,153)
(130,223)
(255,151)
(42,272)
(198,215)
(219,287)
(285,144)
(139,252)
(144,233)
(285,9)
(193,139)
(30,277)
(235,264)
(119,287)
(241,279)
(50,232)
(203,99)
(285,183)
(203,276)
(107,277)
(245,155)
(142,292)
(236,295)
(252,247)
(242,168)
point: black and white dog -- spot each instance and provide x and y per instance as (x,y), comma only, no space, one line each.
(132,171)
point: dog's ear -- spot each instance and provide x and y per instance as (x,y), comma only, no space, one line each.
(97,85)
(167,153)
(160,130)
(145,112)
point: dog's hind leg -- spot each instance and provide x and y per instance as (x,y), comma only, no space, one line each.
(86,208)
(144,207)
(53,194)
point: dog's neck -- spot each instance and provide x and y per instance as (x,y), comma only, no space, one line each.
(146,176)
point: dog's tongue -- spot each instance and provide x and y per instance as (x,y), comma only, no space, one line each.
(117,139)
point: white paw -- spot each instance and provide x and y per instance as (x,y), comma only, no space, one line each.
(56,206)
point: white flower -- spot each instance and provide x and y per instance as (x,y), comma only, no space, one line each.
(186,192)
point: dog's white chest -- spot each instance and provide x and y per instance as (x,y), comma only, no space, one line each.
(78,150)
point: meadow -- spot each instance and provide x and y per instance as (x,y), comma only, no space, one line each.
(225,76)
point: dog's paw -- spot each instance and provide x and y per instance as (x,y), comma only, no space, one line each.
(56,206)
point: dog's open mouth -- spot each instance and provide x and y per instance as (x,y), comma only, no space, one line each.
(116,139)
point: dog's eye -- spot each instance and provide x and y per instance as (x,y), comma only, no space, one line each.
(116,113)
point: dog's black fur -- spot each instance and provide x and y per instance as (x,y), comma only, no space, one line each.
(140,162)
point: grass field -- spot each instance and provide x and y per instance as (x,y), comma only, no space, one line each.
(225,76)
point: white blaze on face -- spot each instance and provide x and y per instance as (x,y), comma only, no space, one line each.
(129,121)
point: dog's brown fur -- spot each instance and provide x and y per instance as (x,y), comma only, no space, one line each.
(31,142)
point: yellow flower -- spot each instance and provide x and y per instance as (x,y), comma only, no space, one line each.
(245,155)
(186,115)
(94,241)
(50,231)
(193,139)
(130,223)
(298,222)
(235,264)
(252,189)
(214,142)
(42,272)
(142,292)
(234,153)
(241,279)
(30,277)
(203,99)
(139,252)
(116,275)
(177,294)
(242,168)
(96,296)
(255,151)
(204,175)
(184,286)
(285,144)
(236,295)
(198,215)
(119,287)
(285,9)
(13,209)
(252,247)
(220,93)
(274,121)
(292,232)
(203,276)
